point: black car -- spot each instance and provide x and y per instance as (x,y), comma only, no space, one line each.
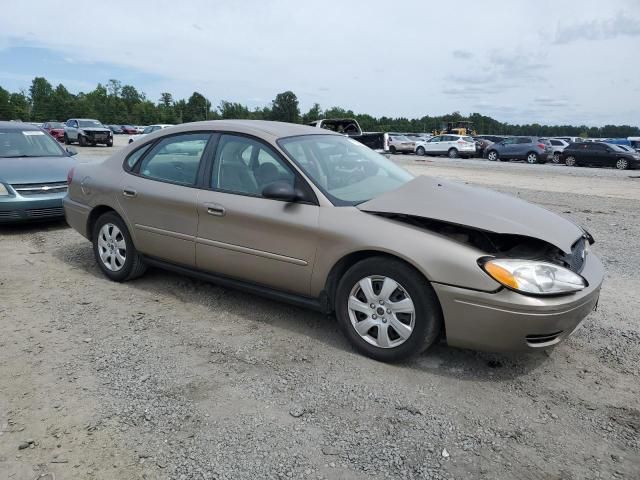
(116,129)
(600,154)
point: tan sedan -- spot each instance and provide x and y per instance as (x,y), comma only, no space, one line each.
(315,218)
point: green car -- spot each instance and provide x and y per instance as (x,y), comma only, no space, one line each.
(33,173)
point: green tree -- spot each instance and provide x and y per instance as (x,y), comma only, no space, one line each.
(19,104)
(6,111)
(63,104)
(314,113)
(285,108)
(40,94)
(229,110)
(197,108)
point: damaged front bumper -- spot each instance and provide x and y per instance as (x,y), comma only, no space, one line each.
(509,321)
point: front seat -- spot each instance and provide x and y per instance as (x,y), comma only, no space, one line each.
(266,173)
(236,176)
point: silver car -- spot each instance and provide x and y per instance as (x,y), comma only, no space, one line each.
(315,218)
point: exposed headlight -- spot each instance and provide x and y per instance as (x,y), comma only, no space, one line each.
(3,191)
(533,277)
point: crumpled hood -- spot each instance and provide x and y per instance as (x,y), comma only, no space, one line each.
(476,207)
(35,169)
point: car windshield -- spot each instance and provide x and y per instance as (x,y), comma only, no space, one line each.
(90,123)
(28,143)
(346,171)
(55,125)
(148,129)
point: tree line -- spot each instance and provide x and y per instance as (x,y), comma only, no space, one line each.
(115,103)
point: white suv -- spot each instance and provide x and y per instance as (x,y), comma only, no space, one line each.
(453,146)
(401,144)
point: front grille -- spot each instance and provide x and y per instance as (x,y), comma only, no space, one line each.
(45,212)
(10,214)
(27,189)
(575,260)
(543,340)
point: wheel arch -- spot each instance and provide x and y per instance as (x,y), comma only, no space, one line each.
(96,213)
(347,261)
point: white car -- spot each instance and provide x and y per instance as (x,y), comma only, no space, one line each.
(453,146)
(401,144)
(558,145)
(148,130)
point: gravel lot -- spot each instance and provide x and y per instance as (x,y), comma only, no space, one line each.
(169,377)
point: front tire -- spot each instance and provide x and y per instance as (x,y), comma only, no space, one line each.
(556,157)
(66,140)
(387,310)
(532,158)
(392,149)
(421,151)
(452,153)
(82,141)
(492,156)
(114,251)
(570,161)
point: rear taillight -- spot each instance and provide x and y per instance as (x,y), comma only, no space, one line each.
(70,176)
(541,145)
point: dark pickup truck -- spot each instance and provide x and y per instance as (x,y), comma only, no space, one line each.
(377,141)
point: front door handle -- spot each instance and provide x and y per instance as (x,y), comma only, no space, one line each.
(215,209)
(128,192)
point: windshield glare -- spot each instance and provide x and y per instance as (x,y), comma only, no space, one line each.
(90,123)
(55,125)
(346,171)
(28,143)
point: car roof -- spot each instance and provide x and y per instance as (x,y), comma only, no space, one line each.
(255,127)
(18,126)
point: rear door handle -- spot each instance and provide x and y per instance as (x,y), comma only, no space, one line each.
(128,192)
(215,209)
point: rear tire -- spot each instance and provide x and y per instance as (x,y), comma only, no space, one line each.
(66,140)
(114,251)
(392,149)
(418,318)
(421,151)
(622,164)
(570,161)
(452,153)
(556,157)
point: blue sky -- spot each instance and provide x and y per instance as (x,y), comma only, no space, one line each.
(543,61)
(23,63)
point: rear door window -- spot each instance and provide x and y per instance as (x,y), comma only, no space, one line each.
(175,159)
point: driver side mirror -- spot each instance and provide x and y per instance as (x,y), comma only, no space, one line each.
(280,190)
(71,151)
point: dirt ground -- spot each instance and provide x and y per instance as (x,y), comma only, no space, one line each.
(168,377)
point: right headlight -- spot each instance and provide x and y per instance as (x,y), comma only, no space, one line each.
(3,190)
(533,277)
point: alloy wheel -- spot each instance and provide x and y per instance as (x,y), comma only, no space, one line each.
(570,161)
(112,247)
(532,158)
(622,164)
(556,158)
(381,311)
(493,156)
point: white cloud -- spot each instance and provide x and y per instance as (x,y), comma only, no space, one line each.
(349,54)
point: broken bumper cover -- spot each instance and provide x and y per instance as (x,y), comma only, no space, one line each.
(509,321)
